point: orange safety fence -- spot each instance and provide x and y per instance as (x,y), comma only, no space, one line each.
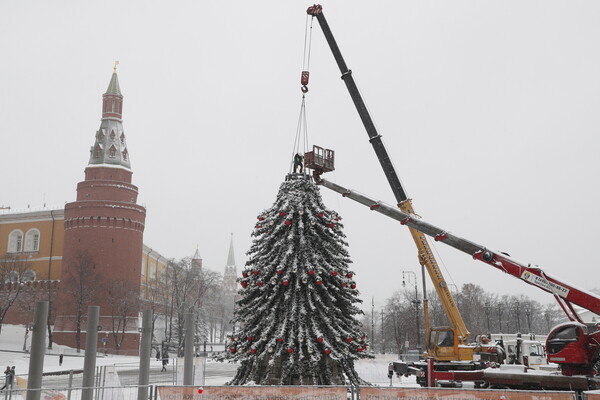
(594,395)
(380,393)
(252,392)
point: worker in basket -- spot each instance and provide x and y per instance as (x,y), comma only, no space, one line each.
(298,162)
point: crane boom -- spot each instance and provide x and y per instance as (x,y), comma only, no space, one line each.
(426,257)
(532,275)
(374,136)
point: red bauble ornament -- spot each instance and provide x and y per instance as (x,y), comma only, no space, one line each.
(320,215)
(259,283)
(285,283)
(327,351)
(253,351)
(363,337)
(353,286)
(320,339)
(331,225)
(244,284)
(279,340)
(279,271)
(245,274)
(334,273)
(200,390)
(349,275)
(288,222)
(359,349)
(249,338)
(261,218)
(281,213)
(336,219)
(311,272)
(290,351)
(232,349)
(344,285)
(255,273)
(258,226)
(318,282)
(348,339)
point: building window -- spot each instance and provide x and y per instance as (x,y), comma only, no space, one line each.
(122,138)
(29,276)
(15,241)
(32,240)
(125,154)
(112,152)
(97,151)
(112,135)
(12,276)
(153,269)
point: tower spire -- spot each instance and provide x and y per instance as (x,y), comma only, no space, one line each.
(231,256)
(110,147)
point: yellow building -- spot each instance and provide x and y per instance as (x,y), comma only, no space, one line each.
(38,237)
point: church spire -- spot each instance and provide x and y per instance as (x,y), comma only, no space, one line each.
(231,256)
(110,147)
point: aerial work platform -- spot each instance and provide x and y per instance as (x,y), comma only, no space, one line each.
(320,159)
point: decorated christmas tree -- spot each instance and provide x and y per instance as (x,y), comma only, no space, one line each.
(296,316)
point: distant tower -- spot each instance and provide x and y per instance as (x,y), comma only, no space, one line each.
(230,275)
(107,225)
(229,290)
(197,262)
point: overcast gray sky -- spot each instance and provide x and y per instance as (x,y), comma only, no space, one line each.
(489,110)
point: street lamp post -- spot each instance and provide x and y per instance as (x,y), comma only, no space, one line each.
(547,315)
(487,307)
(416,302)
(373,323)
(528,314)
(517,310)
(500,316)
(382,337)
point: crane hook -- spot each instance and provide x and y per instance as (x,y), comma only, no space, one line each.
(304,89)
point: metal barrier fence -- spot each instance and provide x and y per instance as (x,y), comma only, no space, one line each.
(160,392)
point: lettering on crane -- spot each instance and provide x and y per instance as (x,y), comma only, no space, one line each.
(545,284)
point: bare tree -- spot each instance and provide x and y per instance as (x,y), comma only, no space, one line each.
(123,300)
(155,300)
(186,289)
(12,269)
(82,283)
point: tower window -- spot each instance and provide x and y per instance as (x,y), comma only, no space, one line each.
(122,137)
(97,151)
(125,154)
(112,152)
(15,241)
(32,240)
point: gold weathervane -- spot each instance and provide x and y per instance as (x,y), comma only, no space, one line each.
(115,67)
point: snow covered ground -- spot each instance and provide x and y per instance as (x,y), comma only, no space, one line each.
(12,339)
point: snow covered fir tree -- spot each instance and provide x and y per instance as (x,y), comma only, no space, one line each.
(296,316)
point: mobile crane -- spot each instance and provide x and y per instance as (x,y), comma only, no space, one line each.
(444,344)
(573,345)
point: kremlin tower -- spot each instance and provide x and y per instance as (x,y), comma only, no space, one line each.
(102,254)
(230,288)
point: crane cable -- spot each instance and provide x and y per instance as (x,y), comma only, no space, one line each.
(301,139)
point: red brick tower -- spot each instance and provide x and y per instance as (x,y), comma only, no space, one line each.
(104,227)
